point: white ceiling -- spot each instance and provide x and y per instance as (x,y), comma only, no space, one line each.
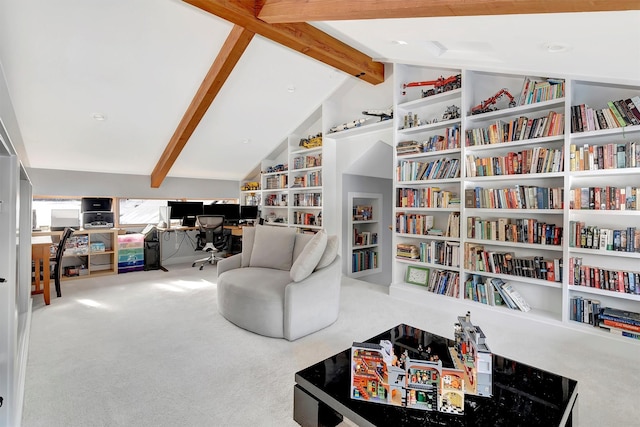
(139,62)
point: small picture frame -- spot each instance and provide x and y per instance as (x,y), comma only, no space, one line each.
(417,275)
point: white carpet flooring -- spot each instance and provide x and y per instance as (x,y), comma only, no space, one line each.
(150,349)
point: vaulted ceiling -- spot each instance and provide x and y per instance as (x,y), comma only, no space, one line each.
(207,88)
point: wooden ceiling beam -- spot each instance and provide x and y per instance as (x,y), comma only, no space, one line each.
(284,11)
(298,36)
(231,51)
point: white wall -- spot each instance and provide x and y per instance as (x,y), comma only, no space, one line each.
(49,182)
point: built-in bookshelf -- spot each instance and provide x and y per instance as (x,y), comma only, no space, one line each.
(291,179)
(428,162)
(546,203)
(366,233)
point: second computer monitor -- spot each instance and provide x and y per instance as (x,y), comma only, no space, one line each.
(248,212)
(230,211)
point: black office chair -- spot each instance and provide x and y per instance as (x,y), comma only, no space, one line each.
(212,238)
(57,259)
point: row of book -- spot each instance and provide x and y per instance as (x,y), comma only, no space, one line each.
(536,267)
(306,199)
(364,259)
(276,199)
(607,156)
(433,252)
(276,182)
(494,291)
(627,282)
(619,322)
(362,238)
(304,218)
(540,89)
(605,198)
(519,197)
(516,230)
(603,238)
(449,141)
(362,213)
(302,162)
(422,224)
(443,168)
(444,282)
(535,160)
(310,179)
(620,113)
(519,129)
(426,197)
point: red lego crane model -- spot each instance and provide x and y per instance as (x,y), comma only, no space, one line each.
(439,85)
(486,105)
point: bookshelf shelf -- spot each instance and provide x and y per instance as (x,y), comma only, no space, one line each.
(362,130)
(451,95)
(429,237)
(430,126)
(518,110)
(536,246)
(519,177)
(511,144)
(520,279)
(600,252)
(365,212)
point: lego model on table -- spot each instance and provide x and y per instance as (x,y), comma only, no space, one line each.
(422,372)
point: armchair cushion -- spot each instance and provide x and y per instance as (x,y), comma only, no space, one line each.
(308,259)
(273,247)
(330,252)
(248,235)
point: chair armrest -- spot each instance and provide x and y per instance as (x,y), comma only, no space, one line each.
(231,263)
(312,303)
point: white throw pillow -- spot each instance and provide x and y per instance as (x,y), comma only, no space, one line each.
(248,235)
(309,257)
(273,247)
(330,252)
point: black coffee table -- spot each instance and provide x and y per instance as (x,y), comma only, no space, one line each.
(522,395)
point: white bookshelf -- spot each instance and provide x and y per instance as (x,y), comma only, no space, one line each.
(366,233)
(550,299)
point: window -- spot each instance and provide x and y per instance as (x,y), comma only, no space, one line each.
(42,209)
(139,211)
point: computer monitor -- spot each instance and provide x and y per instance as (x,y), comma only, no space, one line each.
(230,211)
(248,212)
(185,211)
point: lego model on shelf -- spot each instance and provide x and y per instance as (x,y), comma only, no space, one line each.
(440,85)
(429,376)
(489,104)
(311,141)
(364,224)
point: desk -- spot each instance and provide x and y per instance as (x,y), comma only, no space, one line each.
(40,253)
(522,395)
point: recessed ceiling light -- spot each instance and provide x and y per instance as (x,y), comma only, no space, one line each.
(554,47)
(291,88)
(99,117)
(246,141)
(400,42)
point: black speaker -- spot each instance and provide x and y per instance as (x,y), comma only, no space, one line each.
(151,256)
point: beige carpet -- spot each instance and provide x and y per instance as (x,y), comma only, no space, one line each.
(150,349)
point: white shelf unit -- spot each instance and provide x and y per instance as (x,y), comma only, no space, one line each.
(596,95)
(292,195)
(550,299)
(429,200)
(366,233)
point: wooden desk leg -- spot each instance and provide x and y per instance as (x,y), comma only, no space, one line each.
(46,278)
(36,278)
